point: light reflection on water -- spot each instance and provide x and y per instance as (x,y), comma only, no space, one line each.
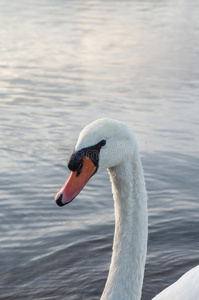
(63,65)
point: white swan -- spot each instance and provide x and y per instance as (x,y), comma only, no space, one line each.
(107,143)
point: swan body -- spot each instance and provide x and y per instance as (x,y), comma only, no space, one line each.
(185,288)
(109,144)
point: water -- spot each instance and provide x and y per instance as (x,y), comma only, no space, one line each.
(64,64)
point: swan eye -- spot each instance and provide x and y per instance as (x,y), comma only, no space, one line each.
(75,161)
(102,143)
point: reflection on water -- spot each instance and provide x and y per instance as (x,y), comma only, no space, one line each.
(63,65)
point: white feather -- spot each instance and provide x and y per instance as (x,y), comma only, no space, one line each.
(121,156)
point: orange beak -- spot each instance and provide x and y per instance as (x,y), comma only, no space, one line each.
(75,183)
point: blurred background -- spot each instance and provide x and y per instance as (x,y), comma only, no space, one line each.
(64,64)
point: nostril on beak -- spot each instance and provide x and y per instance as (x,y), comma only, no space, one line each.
(58,200)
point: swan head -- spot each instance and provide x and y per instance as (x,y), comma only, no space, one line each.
(103,144)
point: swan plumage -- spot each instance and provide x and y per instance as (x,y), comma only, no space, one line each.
(110,144)
(185,288)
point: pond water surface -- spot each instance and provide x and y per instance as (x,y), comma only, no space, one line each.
(64,64)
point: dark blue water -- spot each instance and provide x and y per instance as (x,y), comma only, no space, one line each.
(64,64)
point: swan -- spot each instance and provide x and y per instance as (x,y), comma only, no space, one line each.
(110,144)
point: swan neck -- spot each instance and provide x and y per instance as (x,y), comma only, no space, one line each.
(126,271)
